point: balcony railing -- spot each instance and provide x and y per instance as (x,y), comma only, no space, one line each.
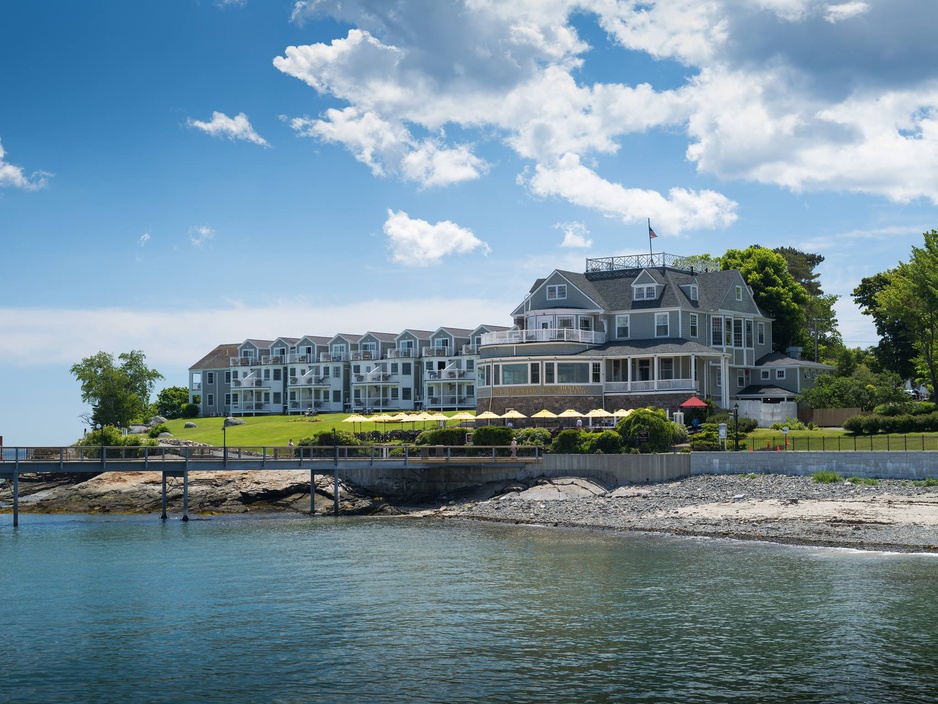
(257,361)
(331,357)
(249,383)
(513,337)
(437,352)
(631,387)
(359,356)
(468,350)
(401,354)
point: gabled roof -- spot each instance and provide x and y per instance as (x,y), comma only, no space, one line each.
(381,336)
(316,339)
(765,391)
(455,332)
(419,334)
(777,359)
(217,358)
(259,344)
(348,337)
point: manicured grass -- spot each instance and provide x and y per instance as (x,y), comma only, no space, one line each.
(828,440)
(275,431)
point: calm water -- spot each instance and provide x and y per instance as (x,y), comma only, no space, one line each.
(126,609)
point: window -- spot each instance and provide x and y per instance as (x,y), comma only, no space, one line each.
(267,375)
(535,373)
(234,398)
(470,390)
(266,397)
(693,325)
(622,327)
(514,374)
(337,396)
(338,351)
(595,373)
(405,345)
(765,375)
(739,293)
(227,377)
(405,394)
(661,324)
(394,393)
(565,322)
(405,368)
(394,367)
(548,372)
(728,332)
(779,373)
(644,293)
(740,380)
(666,368)
(277,374)
(760,333)
(356,369)
(749,334)
(337,372)
(441,343)
(694,292)
(557,292)
(716,332)
(210,377)
(586,323)
(738,332)
(325,371)
(234,374)
(227,399)
(276,397)
(209,400)
(572,373)
(470,365)
(719,377)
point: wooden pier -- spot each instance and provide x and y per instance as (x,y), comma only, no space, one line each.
(178,462)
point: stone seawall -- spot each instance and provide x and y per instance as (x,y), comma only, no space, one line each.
(878,465)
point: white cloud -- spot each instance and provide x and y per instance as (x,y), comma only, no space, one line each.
(199,235)
(802,94)
(14,176)
(681,210)
(231,3)
(144,239)
(845,11)
(416,242)
(574,235)
(237,127)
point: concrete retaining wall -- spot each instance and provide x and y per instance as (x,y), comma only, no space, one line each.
(619,470)
(878,465)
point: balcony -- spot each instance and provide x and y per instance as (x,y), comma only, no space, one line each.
(437,352)
(515,337)
(468,350)
(401,354)
(333,357)
(359,356)
(635,387)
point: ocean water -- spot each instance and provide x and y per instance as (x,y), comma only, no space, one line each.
(299,609)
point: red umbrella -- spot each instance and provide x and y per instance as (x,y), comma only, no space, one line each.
(694,402)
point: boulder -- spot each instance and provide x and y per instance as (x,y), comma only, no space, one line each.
(190,424)
(230,420)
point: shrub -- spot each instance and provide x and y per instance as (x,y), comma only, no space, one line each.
(492,435)
(442,436)
(826,477)
(648,431)
(706,439)
(679,434)
(533,436)
(608,442)
(746,425)
(929,481)
(190,410)
(568,442)
(157,429)
(854,424)
(792,423)
(867,481)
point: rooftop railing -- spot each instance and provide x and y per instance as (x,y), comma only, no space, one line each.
(512,337)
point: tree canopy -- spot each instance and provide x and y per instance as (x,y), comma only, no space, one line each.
(171,401)
(820,318)
(120,394)
(775,291)
(896,348)
(911,298)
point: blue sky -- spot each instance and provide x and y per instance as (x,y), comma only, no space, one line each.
(180,174)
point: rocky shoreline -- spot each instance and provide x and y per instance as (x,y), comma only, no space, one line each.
(894,516)
(890,515)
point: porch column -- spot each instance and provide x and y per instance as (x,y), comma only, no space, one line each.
(725,379)
(655,372)
(693,372)
(628,375)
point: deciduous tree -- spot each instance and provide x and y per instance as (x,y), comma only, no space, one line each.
(118,395)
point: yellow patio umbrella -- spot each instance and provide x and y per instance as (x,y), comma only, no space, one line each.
(488,415)
(571,413)
(439,417)
(463,415)
(544,414)
(355,418)
(598,413)
(621,413)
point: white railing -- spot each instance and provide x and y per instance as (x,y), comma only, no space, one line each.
(400,354)
(626,387)
(437,352)
(330,357)
(366,355)
(468,350)
(513,337)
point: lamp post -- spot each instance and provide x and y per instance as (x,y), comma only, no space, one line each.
(736,427)
(97,426)
(224,444)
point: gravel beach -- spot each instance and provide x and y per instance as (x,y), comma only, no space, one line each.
(890,515)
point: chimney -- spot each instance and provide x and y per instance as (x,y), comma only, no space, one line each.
(794,352)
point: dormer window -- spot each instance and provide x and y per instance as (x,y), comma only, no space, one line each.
(557,292)
(644,293)
(693,292)
(739,293)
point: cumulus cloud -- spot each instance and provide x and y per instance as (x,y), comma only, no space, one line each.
(416,242)
(802,94)
(574,235)
(237,127)
(11,175)
(198,235)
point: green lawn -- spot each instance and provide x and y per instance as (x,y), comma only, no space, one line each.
(829,439)
(274,431)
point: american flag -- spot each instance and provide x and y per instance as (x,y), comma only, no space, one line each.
(651,233)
